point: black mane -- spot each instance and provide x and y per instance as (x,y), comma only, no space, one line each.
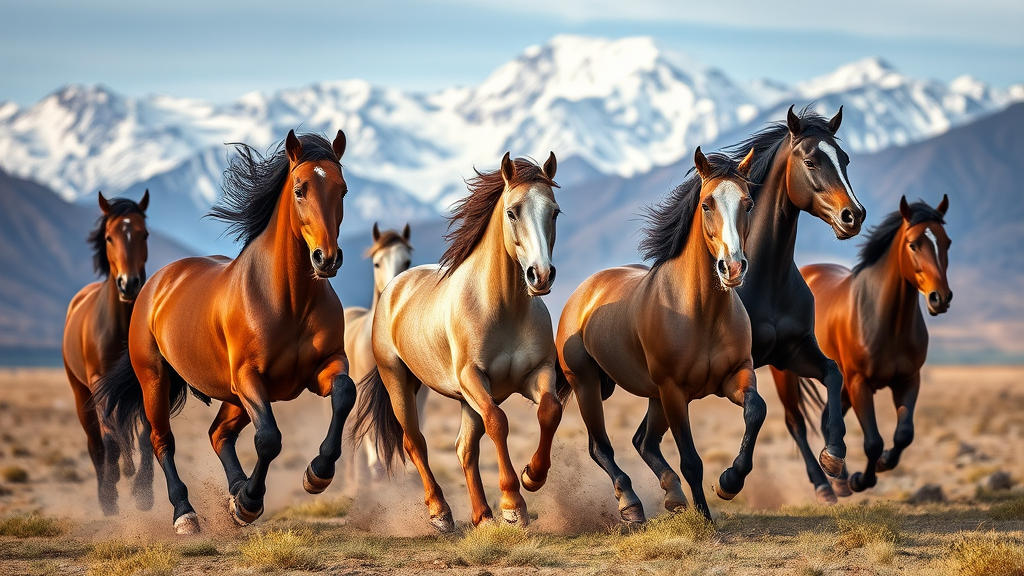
(252,184)
(119,208)
(667,224)
(879,238)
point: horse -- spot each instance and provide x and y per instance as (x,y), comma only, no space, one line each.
(250,331)
(391,254)
(869,320)
(96,333)
(474,329)
(672,333)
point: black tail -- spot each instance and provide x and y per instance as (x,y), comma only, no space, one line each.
(119,394)
(811,402)
(562,388)
(376,416)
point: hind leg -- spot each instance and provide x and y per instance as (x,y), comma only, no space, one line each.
(468,448)
(142,485)
(230,421)
(741,388)
(647,442)
(904,397)
(89,419)
(541,389)
(788,386)
(334,381)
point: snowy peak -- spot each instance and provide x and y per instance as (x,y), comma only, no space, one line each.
(868,71)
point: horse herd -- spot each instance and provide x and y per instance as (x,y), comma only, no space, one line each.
(722,297)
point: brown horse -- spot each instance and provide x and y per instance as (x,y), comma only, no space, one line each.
(391,254)
(870,322)
(474,330)
(250,331)
(673,333)
(95,336)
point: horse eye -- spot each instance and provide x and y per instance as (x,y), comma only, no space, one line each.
(109,240)
(511,215)
(555,215)
(913,247)
(376,264)
(809,164)
(407,263)
(705,207)
(750,207)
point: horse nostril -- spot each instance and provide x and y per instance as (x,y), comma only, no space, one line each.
(847,216)
(318,257)
(551,275)
(949,297)
(722,267)
(934,299)
(743,266)
(531,275)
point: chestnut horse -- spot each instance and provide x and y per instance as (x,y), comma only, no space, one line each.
(672,333)
(95,336)
(250,331)
(474,330)
(870,322)
(391,254)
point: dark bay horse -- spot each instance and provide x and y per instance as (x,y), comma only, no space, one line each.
(250,331)
(95,336)
(474,330)
(869,320)
(673,333)
(800,167)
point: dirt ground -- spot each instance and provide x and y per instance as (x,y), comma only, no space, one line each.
(970,423)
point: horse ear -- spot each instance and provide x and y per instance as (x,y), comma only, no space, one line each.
(550,166)
(793,121)
(406,232)
(700,162)
(293,147)
(508,168)
(144,203)
(376,232)
(339,145)
(746,164)
(944,205)
(104,205)
(904,208)
(833,124)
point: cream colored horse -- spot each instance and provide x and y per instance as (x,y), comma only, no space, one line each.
(391,254)
(474,330)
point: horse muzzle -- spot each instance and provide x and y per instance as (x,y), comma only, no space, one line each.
(539,280)
(937,304)
(324,265)
(731,273)
(128,287)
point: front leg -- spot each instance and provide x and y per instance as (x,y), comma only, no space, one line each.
(251,390)
(862,398)
(540,388)
(741,388)
(904,397)
(333,381)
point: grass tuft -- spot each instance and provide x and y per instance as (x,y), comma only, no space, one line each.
(201,548)
(112,549)
(500,543)
(671,536)
(295,549)
(130,561)
(14,474)
(1008,510)
(32,525)
(319,508)
(860,525)
(985,555)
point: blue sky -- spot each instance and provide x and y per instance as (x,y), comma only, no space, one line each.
(219,50)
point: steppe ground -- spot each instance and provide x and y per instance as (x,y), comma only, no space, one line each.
(970,423)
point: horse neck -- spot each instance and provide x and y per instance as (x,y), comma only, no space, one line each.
(376,297)
(501,276)
(883,288)
(280,261)
(110,306)
(690,277)
(772,237)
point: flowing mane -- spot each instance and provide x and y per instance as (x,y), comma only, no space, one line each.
(474,211)
(119,207)
(879,238)
(767,141)
(252,185)
(667,224)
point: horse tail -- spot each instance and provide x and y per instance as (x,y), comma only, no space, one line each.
(375,416)
(810,403)
(563,390)
(119,394)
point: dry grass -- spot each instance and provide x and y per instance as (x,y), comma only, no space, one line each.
(14,474)
(861,525)
(121,558)
(500,543)
(319,508)
(197,549)
(1008,510)
(281,549)
(670,536)
(974,554)
(31,525)
(112,549)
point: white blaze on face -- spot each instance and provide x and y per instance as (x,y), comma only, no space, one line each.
(536,228)
(935,243)
(126,227)
(320,172)
(830,151)
(728,197)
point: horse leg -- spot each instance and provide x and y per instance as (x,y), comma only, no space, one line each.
(741,388)
(541,388)
(230,421)
(90,421)
(468,448)
(808,361)
(904,397)
(788,386)
(111,469)
(677,413)
(477,391)
(334,381)
(142,485)
(373,460)
(251,390)
(647,442)
(862,398)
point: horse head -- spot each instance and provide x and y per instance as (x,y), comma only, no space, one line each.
(725,206)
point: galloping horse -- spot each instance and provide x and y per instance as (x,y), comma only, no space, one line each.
(250,331)
(391,254)
(95,336)
(870,322)
(474,330)
(672,333)
(799,167)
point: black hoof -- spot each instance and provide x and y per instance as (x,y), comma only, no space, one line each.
(858,484)
(314,484)
(633,514)
(240,515)
(883,464)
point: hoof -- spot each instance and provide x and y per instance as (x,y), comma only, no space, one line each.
(529,483)
(841,487)
(312,483)
(676,503)
(633,514)
(443,523)
(883,463)
(832,465)
(732,491)
(143,497)
(825,495)
(240,515)
(722,493)
(857,483)
(516,517)
(187,524)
